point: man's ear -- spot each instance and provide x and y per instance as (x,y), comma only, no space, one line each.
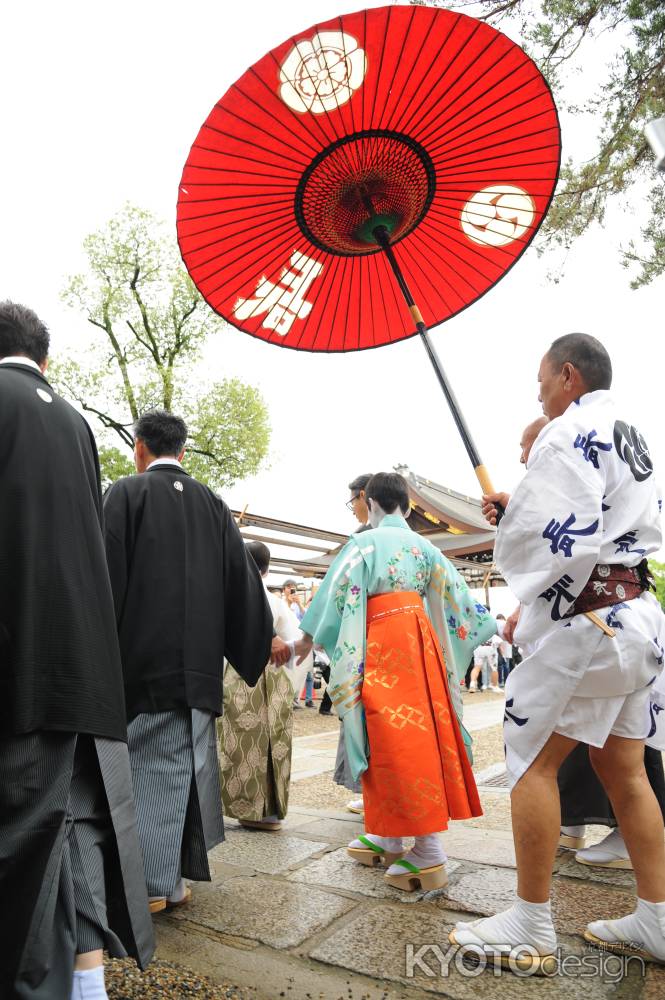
(43,366)
(182,455)
(568,373)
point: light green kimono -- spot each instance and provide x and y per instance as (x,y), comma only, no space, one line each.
(387,559)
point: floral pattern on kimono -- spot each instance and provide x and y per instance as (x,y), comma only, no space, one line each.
(383,560)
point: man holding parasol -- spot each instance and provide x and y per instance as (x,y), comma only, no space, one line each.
(573,542)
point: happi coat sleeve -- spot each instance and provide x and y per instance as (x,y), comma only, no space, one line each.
(336,621)
(461,623)
(550,537)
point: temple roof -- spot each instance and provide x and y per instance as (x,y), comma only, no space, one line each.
(451,521)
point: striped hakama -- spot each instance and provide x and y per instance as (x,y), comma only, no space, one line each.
(175,774)
(72,877)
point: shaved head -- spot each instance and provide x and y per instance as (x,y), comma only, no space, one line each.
(529,435)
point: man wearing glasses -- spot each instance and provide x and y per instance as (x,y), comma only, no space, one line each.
(356,504)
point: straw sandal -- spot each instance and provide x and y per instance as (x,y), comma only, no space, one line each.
(157,905)
(372,855)
(539,965)
(180,902)
(624,864)
(258,824)
(414,877)
(622,948)
(571,843)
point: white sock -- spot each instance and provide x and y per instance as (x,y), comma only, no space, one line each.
(645,928)
(179,892)
(391,844)
(573,831)
(524,923)
(426,853)
(88,984)
(614,840)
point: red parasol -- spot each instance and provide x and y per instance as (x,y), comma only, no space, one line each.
(399,142)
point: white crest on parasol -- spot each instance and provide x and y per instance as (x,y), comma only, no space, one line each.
(321,73)
(498,215)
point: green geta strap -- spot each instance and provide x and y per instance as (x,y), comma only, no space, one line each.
(368,843)
(408,866)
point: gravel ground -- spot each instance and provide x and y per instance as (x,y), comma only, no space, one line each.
(487,747)
(124,981)
(308,722)
(319,792)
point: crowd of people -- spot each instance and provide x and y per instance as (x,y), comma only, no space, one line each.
(149,676)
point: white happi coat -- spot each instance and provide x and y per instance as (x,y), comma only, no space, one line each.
(589,497)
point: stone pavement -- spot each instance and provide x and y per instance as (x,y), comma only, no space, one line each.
(288,914)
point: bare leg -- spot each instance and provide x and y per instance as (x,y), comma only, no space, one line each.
(536,821)
(620,768)
(536,812)
(88,960)
(475,674)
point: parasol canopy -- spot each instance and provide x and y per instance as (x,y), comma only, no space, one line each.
(413,128)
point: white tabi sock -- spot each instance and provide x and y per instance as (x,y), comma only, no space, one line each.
(573,831)
(88,984)
(391,844)
(179,892)
(523,924)
(427,852)
(643,930)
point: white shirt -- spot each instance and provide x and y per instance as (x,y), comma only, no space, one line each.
(164,461)
(19,360)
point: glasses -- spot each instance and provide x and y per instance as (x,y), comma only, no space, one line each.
(349,503)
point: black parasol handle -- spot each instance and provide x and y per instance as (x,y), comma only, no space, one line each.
(383,239)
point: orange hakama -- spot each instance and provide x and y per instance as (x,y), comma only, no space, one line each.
(419,776)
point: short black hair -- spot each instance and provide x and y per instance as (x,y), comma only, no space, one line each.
(290,583)
(389,490)
(586,354)
(360,482)
(260,553)
(162,433)
(22,333)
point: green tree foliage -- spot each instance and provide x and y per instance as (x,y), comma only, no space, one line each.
(560,35)
(150,325)
(658,573)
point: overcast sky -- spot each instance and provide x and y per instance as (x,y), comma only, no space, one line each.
(100,106)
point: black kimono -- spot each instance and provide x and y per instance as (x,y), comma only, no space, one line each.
(186,596)
(71,877)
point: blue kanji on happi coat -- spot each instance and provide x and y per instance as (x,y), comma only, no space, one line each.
(562,536)
(624,542)
(654,710)
(509,717)
(659,652)
(590,447)
(612,620)
(557,593)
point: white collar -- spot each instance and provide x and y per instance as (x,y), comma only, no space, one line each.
(164,461)
(20,360)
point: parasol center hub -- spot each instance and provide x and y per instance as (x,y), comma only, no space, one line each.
(364,180)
